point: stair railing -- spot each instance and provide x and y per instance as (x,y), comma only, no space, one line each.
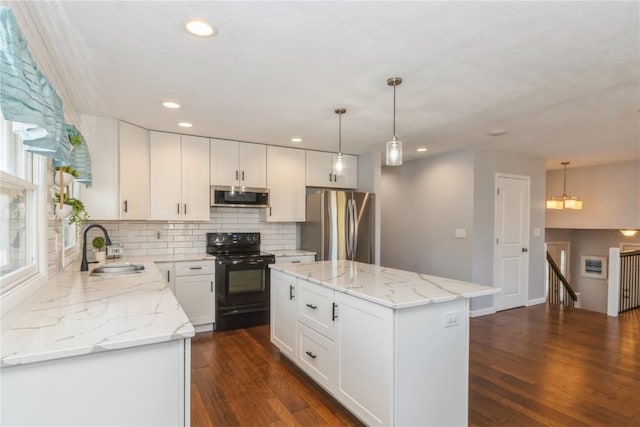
(560,291)
(629,280)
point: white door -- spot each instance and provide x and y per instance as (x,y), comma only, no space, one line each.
(165,180)
(134,172)
(285,178)
(225,166)
(319,171)
(511,258)
(197,298)
(253,165)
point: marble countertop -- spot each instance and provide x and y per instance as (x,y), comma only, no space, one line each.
(385,286)
(75,314)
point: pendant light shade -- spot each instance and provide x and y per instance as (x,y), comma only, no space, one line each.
(394,147)
(565,201)
(338,164)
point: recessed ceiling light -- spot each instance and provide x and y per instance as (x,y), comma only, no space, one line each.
(185,124)
(200,28)
(296,139)
(497,132)
(421,149)
(170,104)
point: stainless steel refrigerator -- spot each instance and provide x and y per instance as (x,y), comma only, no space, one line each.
(340,225)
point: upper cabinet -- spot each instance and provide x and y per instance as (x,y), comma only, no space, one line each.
(120,169)
(179,177)
(236,163)
(285,179)
(134,171)
(319,171)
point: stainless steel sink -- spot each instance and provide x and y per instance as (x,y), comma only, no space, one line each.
(110,269)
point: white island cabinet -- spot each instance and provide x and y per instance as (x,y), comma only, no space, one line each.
(89,350)
(390,345)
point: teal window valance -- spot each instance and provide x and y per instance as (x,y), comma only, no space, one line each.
(27,97)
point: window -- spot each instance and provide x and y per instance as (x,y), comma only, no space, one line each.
(18,208)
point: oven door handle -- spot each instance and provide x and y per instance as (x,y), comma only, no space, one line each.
(240,261)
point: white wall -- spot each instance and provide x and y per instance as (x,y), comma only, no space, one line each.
(611,196)
(487,164)
(423,202)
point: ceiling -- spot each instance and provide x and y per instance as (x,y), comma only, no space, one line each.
(562,78)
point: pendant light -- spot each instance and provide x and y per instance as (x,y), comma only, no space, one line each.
(394,147)
(565,201)
(338,165)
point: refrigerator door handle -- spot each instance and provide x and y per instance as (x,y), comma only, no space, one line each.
(354,227)
(348,228)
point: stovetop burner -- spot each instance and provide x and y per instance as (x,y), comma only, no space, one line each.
(235,245)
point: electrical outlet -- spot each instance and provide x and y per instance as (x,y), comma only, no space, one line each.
(451,319)
(460,233)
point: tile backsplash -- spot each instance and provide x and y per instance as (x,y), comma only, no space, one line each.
(173,238)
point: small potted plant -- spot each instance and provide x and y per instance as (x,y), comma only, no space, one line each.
(73,209)
(69,174)
(99,243)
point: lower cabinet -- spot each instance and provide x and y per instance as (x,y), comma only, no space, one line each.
(388,367)
(283,313)
(193,284)
(146,385)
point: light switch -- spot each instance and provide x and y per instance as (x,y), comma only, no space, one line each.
(536,232)
(460,233)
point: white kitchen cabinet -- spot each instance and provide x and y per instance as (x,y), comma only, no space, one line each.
(319,170)
(364,338)
(179,171)
(120,171)
(134,172)
(236,163)
(167,272)
(147,385)
(286,183)
(294,259)
(283,313)
(195,290)
(101,136)
(316,308)
(316,356)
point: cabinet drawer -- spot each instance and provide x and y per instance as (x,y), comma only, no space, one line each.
(315,307)
(295,259)
(315,356)
(193,268)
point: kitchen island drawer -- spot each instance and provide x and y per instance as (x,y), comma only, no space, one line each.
(316,308)
(315,356)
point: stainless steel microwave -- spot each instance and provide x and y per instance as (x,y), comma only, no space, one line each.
(239,197)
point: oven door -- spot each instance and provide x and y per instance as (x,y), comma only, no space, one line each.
(242,282)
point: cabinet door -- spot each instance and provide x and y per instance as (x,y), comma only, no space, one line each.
(195,178)
(253,165)
(101,135)
(364,349)
(224,162)
(350,177)
(316,356)
(319,170)
(286,183)
(165,176)
(315,307)
(167,273)
(134,172)
(283,313)
(196,296)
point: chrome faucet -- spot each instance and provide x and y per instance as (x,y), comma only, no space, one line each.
(85,265)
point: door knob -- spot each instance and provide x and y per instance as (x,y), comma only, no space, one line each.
(525,250)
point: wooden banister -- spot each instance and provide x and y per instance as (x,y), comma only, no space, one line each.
(561,277)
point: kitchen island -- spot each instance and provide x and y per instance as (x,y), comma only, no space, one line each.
(86,350)
(392,346)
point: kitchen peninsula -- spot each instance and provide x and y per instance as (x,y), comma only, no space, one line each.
(390,345)
(111,350)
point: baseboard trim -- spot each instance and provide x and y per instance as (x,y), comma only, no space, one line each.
(536,301)
(482,312)
(203,328)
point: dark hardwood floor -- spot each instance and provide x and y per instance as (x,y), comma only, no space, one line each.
(540,365)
